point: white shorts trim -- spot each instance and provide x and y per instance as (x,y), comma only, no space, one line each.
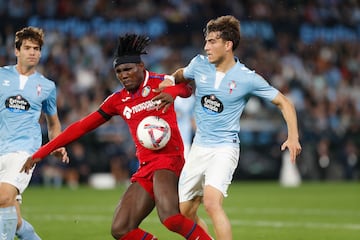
(10,166)
(207,166)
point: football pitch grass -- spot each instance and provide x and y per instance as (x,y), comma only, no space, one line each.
(258,211)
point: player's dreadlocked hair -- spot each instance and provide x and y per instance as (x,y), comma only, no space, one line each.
(129,49)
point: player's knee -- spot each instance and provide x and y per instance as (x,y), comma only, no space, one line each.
(212,206)
(120,229)
(118,233)
(189,209)
(187,212)
(212,200)
(166,213)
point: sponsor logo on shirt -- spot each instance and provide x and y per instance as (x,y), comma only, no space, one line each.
(17,104)
(144,106)
(211,104)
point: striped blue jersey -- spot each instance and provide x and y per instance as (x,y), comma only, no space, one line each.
(22,99)
(221,101)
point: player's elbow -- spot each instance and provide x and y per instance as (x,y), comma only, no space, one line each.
(282,102)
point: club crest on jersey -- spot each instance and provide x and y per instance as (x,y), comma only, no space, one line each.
(232,86)
(17,104)
(38,89)
(211,104)
(146,91)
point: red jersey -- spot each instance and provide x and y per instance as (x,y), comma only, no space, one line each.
(134,107)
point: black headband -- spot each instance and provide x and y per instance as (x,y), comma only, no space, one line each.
(126,59)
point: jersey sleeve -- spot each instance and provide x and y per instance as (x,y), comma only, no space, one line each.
(182,90)
(262,88)
(49,106)
(108,106)
(71,133)
(189,70)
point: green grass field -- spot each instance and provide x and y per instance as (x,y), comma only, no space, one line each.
(258,211)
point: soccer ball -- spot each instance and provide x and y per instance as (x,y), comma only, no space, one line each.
(153,133)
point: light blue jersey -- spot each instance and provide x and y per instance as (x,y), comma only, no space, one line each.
(22,99)
(220,102)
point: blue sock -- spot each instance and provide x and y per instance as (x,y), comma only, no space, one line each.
(26,231)
(8,222)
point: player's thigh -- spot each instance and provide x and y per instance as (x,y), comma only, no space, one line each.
(135,205)
(192,176)
(219,173)
(213,199)
(7,195)
(12,181)
(166,193)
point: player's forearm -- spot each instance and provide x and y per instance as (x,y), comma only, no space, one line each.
(288,111)
(54,131)
(179,76)
(53,125)
(182,90)
(292,126)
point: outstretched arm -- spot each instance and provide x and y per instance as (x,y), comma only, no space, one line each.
(288,111)
(70,134)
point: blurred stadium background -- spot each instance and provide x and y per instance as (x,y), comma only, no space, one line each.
(308,49)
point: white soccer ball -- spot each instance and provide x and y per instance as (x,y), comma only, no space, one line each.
(153,133)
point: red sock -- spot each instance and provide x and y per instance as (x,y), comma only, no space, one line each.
(185,227)
(138,234)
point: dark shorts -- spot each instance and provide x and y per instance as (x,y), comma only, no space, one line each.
(145,173)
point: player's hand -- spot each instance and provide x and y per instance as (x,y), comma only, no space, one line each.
(61,153)
(294,148)
(29,164)
(167,82)
(163,101)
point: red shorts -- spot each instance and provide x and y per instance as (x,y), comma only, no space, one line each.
(144,174)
